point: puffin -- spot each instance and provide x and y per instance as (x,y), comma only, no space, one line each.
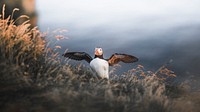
(98,63)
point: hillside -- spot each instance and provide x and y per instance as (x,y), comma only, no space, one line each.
(32,78)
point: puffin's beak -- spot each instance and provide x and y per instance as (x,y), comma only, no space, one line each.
(96,52)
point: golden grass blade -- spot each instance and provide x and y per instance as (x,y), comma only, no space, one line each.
(21,17)
(15,9)
(3,11)
(3,14)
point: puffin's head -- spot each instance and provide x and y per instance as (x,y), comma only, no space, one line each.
(98,51)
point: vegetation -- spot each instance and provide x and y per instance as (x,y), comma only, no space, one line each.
(32,78)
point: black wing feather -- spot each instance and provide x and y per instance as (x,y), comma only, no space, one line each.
(78,56)
(116,58)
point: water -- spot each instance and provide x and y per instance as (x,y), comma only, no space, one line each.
(155,31)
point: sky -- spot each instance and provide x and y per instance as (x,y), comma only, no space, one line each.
(118,13)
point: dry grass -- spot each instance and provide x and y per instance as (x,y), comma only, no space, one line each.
(34,79)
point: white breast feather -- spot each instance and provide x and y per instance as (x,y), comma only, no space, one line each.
(101,67)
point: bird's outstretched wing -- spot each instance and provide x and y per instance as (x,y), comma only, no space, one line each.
(116,58)
(78,56)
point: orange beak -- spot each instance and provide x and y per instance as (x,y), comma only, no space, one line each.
(96,52)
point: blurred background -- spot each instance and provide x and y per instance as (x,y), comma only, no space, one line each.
(155,31)
(26,7)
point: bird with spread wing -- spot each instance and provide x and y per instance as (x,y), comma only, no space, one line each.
(98,63)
